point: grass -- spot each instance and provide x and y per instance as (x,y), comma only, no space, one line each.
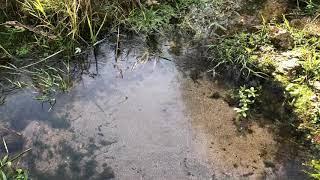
(254,56)
(315,165)
(312,6)
(150,20)
(238,52)
(9,168)
(258,57)
(33,30)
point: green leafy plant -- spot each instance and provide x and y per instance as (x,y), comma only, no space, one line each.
(312,7)
(247,98)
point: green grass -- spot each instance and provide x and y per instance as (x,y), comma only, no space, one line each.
(312,6)
(256,57)
(315,165)
(150,20)
(37,29)
(9,168)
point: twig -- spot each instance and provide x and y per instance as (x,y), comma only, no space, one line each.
(21,154)
(5,51)
(16,24)
(99,42)
(29,65)
(165,58)
(117,48)
(11,130)
(16,157)
(5,145)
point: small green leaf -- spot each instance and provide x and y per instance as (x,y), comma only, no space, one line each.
(5,158)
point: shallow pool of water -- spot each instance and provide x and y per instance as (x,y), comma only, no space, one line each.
(145,120)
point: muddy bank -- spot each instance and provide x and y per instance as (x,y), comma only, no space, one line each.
(249,149)
(145,120)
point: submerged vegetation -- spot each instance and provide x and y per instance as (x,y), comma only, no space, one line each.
(8,165)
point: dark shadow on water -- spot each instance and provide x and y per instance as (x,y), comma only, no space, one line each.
(22,108)
(74,167)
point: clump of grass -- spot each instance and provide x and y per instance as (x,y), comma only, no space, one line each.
(67,17)
(154,18)
(150,20)
(14,42)
(49,82)
(315,166)
(8,166)
(205,17)
(238,53)
(256,56)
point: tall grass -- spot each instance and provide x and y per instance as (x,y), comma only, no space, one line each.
(78,19)
(63,17)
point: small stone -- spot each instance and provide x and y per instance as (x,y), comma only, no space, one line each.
(281,38)
(215,95)
(316,85)
(314,98)
(289,65)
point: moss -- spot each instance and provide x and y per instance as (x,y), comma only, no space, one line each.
(301,96)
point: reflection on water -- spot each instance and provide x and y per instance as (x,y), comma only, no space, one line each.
(141,121)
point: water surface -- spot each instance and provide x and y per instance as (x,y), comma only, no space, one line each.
(145,120)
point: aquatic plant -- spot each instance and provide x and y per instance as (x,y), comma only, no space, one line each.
(8,166)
